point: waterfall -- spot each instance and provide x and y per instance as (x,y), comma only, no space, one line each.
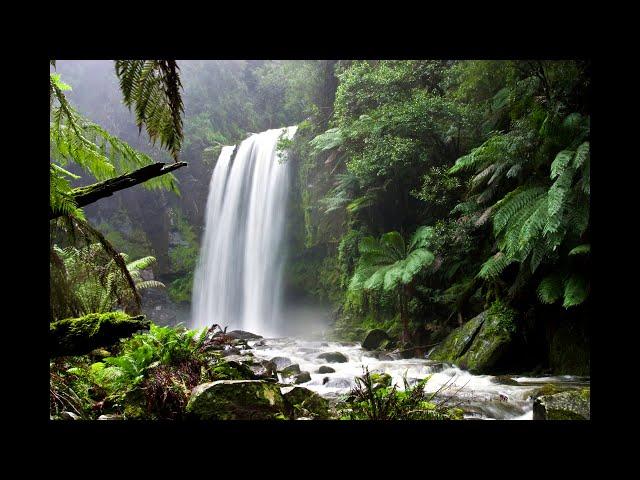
(237,282)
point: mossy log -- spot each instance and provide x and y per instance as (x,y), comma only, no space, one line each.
(91,193)
(78,336)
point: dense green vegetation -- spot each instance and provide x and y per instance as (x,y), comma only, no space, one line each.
(492,156)
(431,198)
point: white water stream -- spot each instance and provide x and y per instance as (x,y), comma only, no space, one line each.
(479,396)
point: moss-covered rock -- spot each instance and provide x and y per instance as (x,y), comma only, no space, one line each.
(489,345)
(380,380)
(504,380)
(302,402)
(302,377)
(334,357)
(232,370)
(457,341)
(569,405)
(374,339)
(236,400)
(78,336)
(480,343)
(290,371)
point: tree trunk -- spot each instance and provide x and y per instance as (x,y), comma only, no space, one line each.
(91,193)
(403,316)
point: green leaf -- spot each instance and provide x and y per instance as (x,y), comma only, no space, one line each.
(576,291)
(581,249)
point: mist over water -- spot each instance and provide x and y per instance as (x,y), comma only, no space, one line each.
(238,279)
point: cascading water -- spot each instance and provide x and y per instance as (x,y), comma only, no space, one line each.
(237,282)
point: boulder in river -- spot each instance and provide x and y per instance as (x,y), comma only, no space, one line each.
(263,370)
(291,370)
(458,341)
(334,357)
(281,362)
(69,416)
(488,346)
(110,416)
(569,405)
(374,339)
(302,377)
(304,403)
(480,344)
(236,400)
(326,369)
(242,335)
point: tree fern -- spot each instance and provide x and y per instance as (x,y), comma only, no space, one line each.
(152,89)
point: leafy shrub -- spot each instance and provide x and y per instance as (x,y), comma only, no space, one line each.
(374,399)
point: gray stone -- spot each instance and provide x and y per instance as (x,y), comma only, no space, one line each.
(291,370)
(70,416)
(334,357)
(326,369)
(242,335)
(110,416)
(302,377)
(281,362)
(374,339)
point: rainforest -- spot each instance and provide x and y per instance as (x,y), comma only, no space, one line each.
(319,240)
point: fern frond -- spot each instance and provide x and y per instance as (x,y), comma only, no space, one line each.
(512,203)
(149,284)
(493,267)
(152,89)
(551,288)
(581,249)
(576,291)
(141,263)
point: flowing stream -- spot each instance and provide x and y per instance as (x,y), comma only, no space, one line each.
(237,283)
(481,397)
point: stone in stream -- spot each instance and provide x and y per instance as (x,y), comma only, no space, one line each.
(325,380)
(380,380)
(334,357)
(263,370)
(374,339)
(291,370)
(281,362)
(478,345)
(110,416)
(302,377)
(455,344)
(569,405)
(69,416)
(304,403)
(242,335)
(236,400)
(504,380)
(326,369)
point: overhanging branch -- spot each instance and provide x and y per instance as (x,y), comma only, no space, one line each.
(89,194)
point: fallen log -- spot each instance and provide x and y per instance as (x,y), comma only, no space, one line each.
(91,193)
(77,336)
